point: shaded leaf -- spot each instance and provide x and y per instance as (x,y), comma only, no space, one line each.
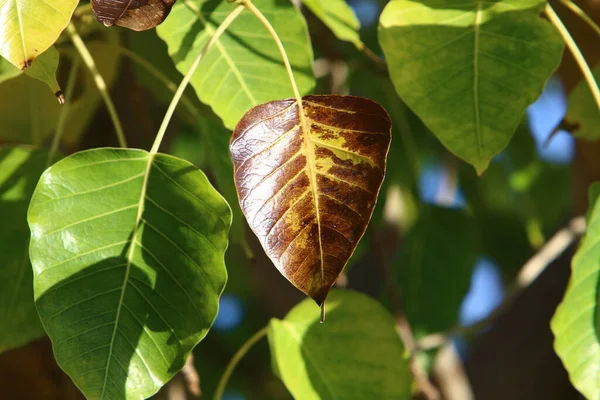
(138,15)
(308,181)
(124,307)
(23,35)
(44,69)
(338,16)
(7,70)
(469,70)
(244,68)
(433,283)
(583,110)
(576,322)
(356,354)
(20,169)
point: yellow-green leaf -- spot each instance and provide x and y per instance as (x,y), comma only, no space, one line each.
(338,16)
(44,69)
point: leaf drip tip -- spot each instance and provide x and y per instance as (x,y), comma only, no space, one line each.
(322,312)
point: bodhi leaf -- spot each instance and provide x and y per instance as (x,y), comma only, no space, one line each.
(469,69)
(576,322)
(7,70)
(20,169)
(583,110)
(124,306)
(357,354)
(307,179)
(30,27)
(244,68)
(138,15)
(338,16)
(44,69)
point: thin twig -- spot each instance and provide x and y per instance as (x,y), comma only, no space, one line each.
(581,14)
(527,275)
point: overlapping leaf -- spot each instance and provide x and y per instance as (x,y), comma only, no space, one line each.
(583,111)
(125,306)
(469,69)
(44,69)
(244,68)
(29,27)
(356,354)
(20,169)
(576,323)
(139,15)
(339,17)
(308,178)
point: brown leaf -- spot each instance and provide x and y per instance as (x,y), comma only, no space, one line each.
(308,192)
(138,15)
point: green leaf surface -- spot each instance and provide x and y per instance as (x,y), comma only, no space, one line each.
(20,169)
(338,16)
(244,68)
(125,307)
(44,69)
(355,354)
(469,69)
(583,110)
(434,283)
(30,27)
(576,323)
(7,70)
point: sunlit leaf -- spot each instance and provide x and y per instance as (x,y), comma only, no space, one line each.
(339,17)
(139,15)
(20,169)
(308,181)
(356,354)
(469,69)
(124,307)
(244,68)
(44,69)
(30,27)
(583,110)
(576,322)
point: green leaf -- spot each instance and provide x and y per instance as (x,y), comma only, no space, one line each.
(44,69)
(125,307)
(576,322)
(30,27)
(434,283)
(355,354)
(7,70)
(338,16)
(244,68)
(470,69)
(20,169)
(583,110)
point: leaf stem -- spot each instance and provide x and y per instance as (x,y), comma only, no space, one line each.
(188,77)
(583,65)
(581,14)
(236,359)
(89,62)
(62,118)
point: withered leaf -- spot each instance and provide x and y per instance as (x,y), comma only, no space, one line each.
(308,183)
(138,15)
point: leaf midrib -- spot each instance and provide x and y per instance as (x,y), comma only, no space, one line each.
(476,30)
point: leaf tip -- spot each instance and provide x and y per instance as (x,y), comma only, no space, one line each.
(61,97)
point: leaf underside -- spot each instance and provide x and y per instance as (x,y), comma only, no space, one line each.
(124,307)
(138,15)
(308,192)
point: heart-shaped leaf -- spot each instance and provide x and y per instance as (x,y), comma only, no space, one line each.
(308,178)
(356,355)
(138,15)
(244,68)
(20,169)
(29,27)
(125,306)
(469,69)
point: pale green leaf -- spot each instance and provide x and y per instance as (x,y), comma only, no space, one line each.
(469,69)
(576,323)
(44,69)
(338,16)
(244,68)
(20,169)
(30,27)
(355,354)
(583,110)
(124,307)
